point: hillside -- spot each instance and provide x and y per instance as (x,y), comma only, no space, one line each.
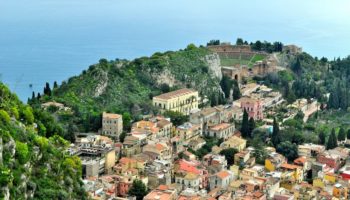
(33,166)
(128,86)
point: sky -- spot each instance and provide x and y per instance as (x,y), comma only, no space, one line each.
(52,40)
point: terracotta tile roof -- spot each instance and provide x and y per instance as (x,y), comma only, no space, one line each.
(220,126)
(223,174)
(111,115)
(289,166)
(300,160)
(163,187)
(125,160)
(175,94)
(187,167)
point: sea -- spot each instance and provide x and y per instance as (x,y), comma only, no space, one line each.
(51,40)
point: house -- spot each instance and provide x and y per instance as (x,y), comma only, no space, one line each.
(163,192)
(112,124)
(234,142)
(189,175)
(221,131)
(159,172)
(221,179)
(310,150)
(183,100)
(188,131)
(253,106)
(274,161)
(332,160)
(162,150)
(292,173)
(131,146)
(241,158)
(196,144)
(155,128)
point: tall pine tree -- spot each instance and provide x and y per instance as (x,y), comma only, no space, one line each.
(251,126)
(322,138)
(276,137)
(332,140)
(348,134)
(245,124)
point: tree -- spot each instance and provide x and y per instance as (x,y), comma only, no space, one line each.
(332,140)
(289,150)
(47,89)
(39,96)
(122,136)
(229,155)
(296,67)
(55,85)
(138,189)
(226,85)
(236,93)
(176,118)
(245,124)
(348,134)
(341,134)
(251,125)
(276,137)
(322,138)
(126,121)
(239,41)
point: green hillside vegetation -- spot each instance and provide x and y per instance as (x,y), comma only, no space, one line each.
(33,166)
(123,86)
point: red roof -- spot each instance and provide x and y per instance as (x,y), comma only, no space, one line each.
(186,166)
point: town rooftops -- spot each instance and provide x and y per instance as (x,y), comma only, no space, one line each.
(174,94)
(220,126)
(223,174)
(289,166)
(111,115)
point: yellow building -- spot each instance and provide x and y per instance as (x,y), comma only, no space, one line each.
(330,177)
(318,182)
(234,142)
(274,161)
(184,100)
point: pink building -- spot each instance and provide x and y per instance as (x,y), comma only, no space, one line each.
(253,106)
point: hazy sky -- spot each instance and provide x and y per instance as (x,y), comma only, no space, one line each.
(321,27)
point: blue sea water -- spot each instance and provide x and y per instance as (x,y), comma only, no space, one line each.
(52,40)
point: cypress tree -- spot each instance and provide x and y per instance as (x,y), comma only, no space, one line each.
(55,85)
(348,134)
(245,124)
(322,138)
(39,95)
(251,125)
(236,93)
(332,140)
(276,138)
(341,134)
(33,95)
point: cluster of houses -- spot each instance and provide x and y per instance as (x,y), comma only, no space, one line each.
(151,151)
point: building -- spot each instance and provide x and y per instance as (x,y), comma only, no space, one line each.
(274,161)
(112,124)
(163,192)
(234,142)
(221,179)
(310,150)
(223,130)
(184,101)
(96,152)
(253,106)
(188,131)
